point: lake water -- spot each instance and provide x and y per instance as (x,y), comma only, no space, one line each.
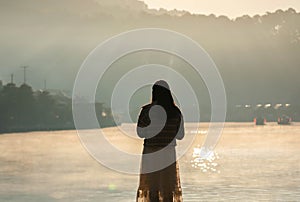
(250,163)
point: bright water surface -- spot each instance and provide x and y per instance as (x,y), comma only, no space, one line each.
(251,163)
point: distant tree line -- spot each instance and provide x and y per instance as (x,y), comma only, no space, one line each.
(22,109)
(257,56)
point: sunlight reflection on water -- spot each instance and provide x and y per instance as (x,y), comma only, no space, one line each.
(205,165)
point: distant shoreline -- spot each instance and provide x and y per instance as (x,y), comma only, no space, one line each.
(70,129)
(47,130)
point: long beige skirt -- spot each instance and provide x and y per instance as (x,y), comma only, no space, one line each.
(163,185)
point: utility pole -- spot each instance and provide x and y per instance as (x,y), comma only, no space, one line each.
(12,78)
(24,68)
(45,84)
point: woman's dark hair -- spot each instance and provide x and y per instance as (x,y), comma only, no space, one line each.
(161,94)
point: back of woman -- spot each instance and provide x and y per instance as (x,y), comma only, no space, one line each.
(160,123)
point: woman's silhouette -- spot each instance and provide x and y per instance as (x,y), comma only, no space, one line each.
(160,123)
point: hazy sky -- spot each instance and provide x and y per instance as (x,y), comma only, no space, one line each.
(231,8)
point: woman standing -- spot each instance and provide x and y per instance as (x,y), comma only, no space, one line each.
(160,123)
